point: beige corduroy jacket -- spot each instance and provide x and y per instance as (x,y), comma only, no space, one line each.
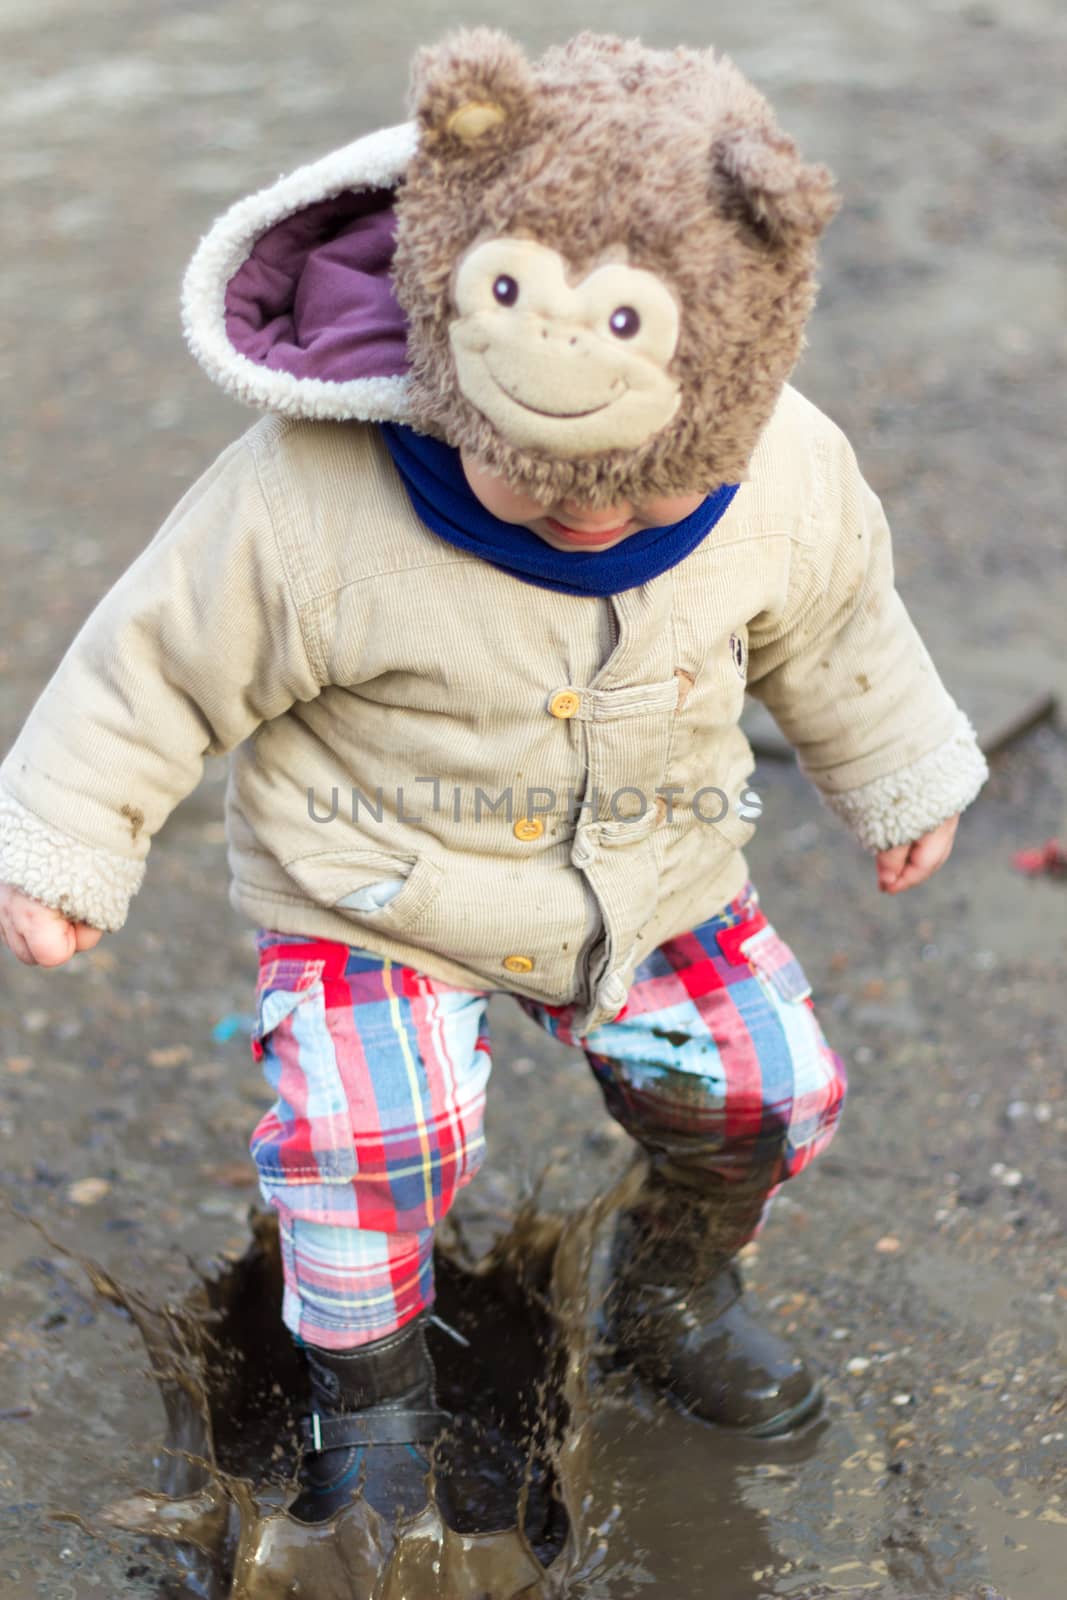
(556,783)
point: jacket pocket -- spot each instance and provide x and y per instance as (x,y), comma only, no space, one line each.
(335,877)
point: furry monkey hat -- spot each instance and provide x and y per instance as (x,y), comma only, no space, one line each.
(592,271)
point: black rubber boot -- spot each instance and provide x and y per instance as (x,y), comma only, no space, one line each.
(373,1423)
(675,1311)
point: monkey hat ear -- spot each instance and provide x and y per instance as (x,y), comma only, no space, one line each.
(765,184)
(472,95)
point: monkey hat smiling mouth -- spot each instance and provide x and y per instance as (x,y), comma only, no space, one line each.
(568,416)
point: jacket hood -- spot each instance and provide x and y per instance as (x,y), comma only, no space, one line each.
(288,302)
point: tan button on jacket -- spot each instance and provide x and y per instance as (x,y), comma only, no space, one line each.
(393,706)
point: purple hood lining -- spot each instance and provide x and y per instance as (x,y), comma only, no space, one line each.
(314,296)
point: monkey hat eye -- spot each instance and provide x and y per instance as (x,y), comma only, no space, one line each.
(505,290)
(624,322)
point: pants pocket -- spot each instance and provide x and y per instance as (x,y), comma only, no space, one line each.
(775,965)
(275,1004)
(803,1081)
(306,1136)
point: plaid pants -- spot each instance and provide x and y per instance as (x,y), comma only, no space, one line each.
(380,1074)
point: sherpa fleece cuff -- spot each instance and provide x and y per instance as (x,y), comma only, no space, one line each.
(900,808)
(85,882)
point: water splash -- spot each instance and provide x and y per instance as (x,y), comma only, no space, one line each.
(232,1385)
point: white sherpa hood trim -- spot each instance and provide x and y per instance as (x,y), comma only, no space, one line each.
(376,161)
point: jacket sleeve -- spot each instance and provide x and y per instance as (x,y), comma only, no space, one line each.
(848,679)
(198,643)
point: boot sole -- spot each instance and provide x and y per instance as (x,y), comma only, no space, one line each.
(784,1424)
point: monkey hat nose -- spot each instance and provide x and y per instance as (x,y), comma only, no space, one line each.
(560,333)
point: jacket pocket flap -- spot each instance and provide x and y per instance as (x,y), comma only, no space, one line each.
(330,877)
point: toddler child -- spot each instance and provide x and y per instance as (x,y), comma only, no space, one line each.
(474,610)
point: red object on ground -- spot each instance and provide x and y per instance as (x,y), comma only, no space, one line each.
(1049,859)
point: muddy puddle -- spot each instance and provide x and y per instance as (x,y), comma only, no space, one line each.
(589,1487)
(512,1347)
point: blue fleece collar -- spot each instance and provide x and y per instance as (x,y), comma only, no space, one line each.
(438,490)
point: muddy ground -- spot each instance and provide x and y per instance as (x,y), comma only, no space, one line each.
(921,1262)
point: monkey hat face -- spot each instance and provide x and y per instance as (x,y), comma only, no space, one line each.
(592,271)
(606,260)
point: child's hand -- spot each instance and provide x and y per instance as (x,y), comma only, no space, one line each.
(908,864)
(39,936)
